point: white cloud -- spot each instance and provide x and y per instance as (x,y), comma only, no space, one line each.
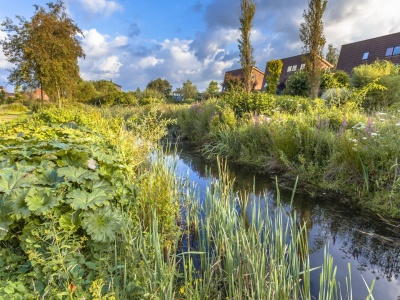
(103,55)
(149,61)
(110,65)
(103,7)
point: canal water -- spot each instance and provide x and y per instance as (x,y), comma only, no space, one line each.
(369,245)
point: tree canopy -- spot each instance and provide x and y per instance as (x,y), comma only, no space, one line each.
(44,50)
(188,90)
(248,9)
(161,85)
(312,36)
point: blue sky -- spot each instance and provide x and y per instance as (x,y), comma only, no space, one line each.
(133,42)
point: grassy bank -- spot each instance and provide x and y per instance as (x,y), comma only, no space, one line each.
(87,213)
(331,145)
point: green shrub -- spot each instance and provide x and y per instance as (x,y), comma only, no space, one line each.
(242,102)
(297,84)
(365,74)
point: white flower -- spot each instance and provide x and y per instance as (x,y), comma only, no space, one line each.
(364,138)
(91,164)
(374,134)
(397,124)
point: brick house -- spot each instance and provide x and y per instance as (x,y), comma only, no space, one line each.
(291,65)
(10,95)
(257,77)
(37,94)
(385,47)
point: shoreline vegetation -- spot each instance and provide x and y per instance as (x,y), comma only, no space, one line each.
(86,212)
(331,146)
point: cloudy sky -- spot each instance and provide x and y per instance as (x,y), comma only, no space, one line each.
(133,42)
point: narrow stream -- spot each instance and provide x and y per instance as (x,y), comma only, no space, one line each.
(370,246)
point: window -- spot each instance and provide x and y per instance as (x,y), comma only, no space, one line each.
(294,68)
(302,66)
(389,51)
(365,55)
(396,50)
(289,69)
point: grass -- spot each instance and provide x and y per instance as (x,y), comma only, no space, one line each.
(10,112)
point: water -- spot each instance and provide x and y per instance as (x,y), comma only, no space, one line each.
(370,246)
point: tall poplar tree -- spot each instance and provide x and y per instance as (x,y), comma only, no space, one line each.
(44,51)
(248,9)
(312,36)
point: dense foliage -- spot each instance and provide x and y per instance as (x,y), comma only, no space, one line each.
(331,144)
(70,184)
(312,36)
(44,50)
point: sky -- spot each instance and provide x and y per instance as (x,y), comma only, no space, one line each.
(132,42)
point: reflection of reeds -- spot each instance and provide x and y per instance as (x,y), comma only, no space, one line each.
(234,249)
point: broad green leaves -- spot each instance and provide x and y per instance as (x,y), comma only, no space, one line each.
(102,224)
(78,175)
(41,201)
(12,179)
(80,199)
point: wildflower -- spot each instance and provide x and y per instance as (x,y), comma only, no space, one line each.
(397,124)
(91,164)
(369,127)
(182,290)
(344,124)
(364,138)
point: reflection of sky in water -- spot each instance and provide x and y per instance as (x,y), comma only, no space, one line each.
(329,222)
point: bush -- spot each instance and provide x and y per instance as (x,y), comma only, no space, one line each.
(242,102)
(365,74)
(336,96)
(297,84)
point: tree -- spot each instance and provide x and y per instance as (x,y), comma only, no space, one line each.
(212,90)
(332,56)
(44,50)
(188,90)
(161,85)
(312,36)
(232,83)
(274,69)
(248,10)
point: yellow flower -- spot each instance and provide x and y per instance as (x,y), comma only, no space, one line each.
(182,290)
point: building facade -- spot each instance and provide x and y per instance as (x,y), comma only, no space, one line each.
(257,77)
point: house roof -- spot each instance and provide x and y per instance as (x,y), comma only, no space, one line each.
(237,72)
(352,54)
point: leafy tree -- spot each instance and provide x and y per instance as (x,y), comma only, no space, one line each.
(212,90)
(332,56)
(232,83)
(297,84)
(161,85)
(312,36)
(188,90)
(275,69)
(248,10)
(3,96)
(44,50)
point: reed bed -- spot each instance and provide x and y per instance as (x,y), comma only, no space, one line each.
(229,247)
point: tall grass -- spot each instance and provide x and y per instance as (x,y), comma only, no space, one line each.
(228,248)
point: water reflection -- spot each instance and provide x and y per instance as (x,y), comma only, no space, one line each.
(371,247)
